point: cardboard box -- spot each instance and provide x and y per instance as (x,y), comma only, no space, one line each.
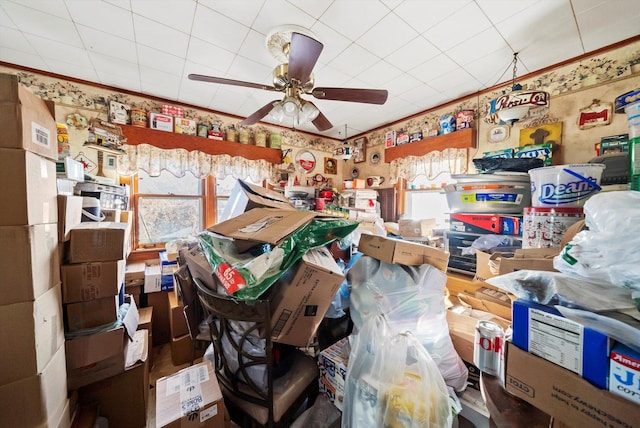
(30,188)
(155,281)
(301,297)
(486,223)
(134,271)
(70,169)
(563,394)
(486,305)
(262,225)
(400,252)
(161,122)
(541,330)
(91,313)
(27,120)
(31,334)
(184,126)
(69,215)
(111,214)
(161,326)
(101,355)
(332,363)
(199,267)
(177,320)
(416,228)
(190,398)
(123,398)
(490,265)
(89,281)
(38,399)
(181,350)
(624,372)
(29,262)
(246,196)
(98,242)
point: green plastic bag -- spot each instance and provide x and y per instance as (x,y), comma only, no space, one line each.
(247,276)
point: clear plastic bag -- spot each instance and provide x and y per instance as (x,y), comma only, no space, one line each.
(616,212)
(412,299)
(392,381)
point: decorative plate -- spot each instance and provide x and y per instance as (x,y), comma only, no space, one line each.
(355,172)
(305,161)
(498,134)
(375,158)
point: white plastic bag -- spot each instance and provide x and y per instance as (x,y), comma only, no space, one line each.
(412,299)
(393,382)
(615,212)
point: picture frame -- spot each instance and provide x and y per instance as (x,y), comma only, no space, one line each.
(360,152)
(330,166)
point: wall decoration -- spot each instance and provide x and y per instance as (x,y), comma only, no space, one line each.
(330,166)
(550,133)
(87,163)
(375,158)
(498,134)
(595,114)
(305,161)
(77,120)
(110,163)
(360,153)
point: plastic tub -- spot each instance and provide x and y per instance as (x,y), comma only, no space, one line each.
(489,193)
(565,185)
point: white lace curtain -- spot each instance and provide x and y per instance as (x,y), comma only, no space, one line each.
(178,162)
(453,161)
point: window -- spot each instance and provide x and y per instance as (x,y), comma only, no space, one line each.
(223,191)
(427,199)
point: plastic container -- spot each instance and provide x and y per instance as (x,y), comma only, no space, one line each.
(565,185)
(489,193)
(633,122)
(545,227)
(91,209)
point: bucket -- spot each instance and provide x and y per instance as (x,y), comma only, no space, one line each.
(565,185)
(91,209)
(545,227)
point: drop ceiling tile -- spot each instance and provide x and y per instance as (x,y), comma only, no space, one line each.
(112,18)
(419,95)
(254,48)
(16,40)
(50,49)
(463,25)
(42,24)
(176,14)
(25,59)
(340,16)
(209,55)
(414,53)
(585,5)
(607,22)
(493,68)
(153,34)
(499,10)
(168,92)
(251,71)
(245,15)
(422,15)
(55,8)
(276,13)
(114,66)
(328,76)
(354,60)
(124,4)
(333,42)
(5,21)
(192,92)
(314,8)
(375,76)
(68,69)
(435,67)
(122,81)
(400,85)
(219,30)
(388,35)
(227,99)
(457,83)
(107,44)
(150,77)
(159,60)
(479,46)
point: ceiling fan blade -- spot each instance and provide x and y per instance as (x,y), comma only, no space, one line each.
(370,96)
(262,112)
(321,122)
(303,54)
(223,81)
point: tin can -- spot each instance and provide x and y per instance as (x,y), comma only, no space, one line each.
(488,347)
(545,227)
(139,117)
(464,119)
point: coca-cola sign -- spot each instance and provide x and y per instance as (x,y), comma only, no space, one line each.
(522,99)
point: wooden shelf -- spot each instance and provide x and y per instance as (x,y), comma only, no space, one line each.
(170,140)
(456,140)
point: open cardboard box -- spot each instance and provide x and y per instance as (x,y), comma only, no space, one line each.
(245,197)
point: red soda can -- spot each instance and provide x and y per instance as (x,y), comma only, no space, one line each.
(489,347)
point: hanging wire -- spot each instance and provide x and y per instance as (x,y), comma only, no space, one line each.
(515,69)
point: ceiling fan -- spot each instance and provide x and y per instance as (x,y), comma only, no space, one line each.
(295,79)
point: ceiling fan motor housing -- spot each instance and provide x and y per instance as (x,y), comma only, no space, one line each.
(281,79)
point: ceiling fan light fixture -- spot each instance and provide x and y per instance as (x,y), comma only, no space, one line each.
(277,112)
(290,106)
(308,112)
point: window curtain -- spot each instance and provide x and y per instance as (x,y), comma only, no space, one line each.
(453,161)
(178,162)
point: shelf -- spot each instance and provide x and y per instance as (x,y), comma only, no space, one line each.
(170,140)
(456,140)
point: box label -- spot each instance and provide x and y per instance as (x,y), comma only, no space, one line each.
(40,135)
(624,377)
(556,339)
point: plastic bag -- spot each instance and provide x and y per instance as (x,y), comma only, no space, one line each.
(392,381)
(248,276)
(602,256)
(555,288)
(493,243)
(616,212)
(489,165)
(412,299)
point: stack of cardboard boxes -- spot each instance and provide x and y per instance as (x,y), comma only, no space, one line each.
(33,384)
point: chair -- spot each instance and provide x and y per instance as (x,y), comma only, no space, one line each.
(192,310)
(237,329)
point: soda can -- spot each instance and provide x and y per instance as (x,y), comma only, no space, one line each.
(488,347)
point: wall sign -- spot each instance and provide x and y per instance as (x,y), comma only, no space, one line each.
(595,114)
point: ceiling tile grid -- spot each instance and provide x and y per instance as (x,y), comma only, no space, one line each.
(424,52)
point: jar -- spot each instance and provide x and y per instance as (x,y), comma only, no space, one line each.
(231,135)
(275,141)
(139,117)
(243,136)
(260,139)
